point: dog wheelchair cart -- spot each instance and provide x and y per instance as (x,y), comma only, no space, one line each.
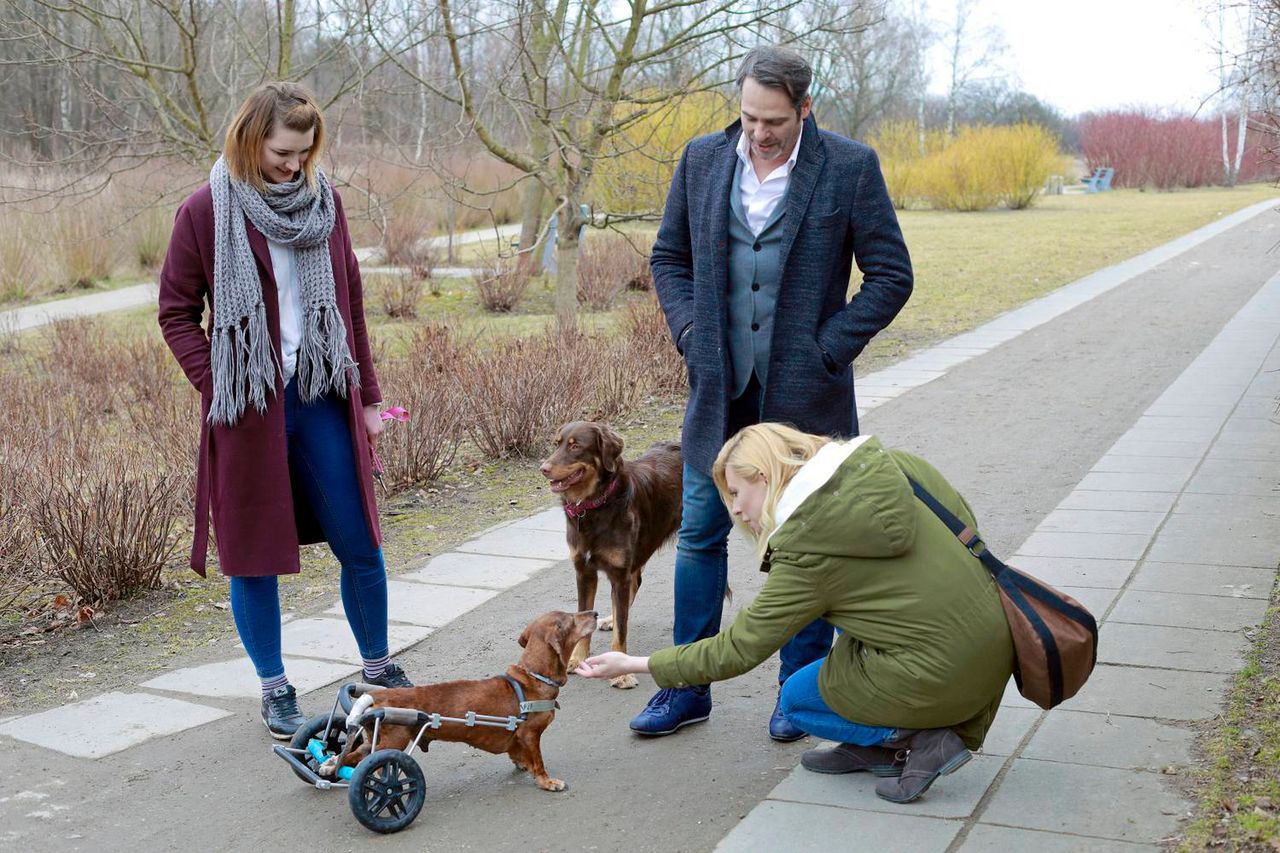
(387,789)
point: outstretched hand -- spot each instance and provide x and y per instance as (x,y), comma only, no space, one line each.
(611,665)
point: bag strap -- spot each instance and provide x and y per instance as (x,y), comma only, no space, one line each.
(968,537)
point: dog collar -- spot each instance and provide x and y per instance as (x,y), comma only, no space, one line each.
(547,680)
(527,707)
(581,508)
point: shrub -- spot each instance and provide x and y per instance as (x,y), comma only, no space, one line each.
(500,286)
(89,254)
(607,265)
(106,529)
(399,295)
(519,392)
(902,162)
(425,383)
(1023,157)
(18,258)
(406,241)
(962,176)
(635,173)
(646,330)
(622,378)
(151,230)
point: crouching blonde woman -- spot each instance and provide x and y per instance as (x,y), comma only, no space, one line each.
(924,653)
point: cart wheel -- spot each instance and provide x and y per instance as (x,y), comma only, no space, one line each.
(387,791)
(314,728)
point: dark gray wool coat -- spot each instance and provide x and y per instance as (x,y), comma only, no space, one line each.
(837,210)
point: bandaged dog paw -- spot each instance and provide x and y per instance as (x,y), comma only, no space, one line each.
(329,768)
(605,624)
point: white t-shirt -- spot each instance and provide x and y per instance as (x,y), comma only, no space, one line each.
(285,269)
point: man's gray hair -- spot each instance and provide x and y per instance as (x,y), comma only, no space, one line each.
(778,68)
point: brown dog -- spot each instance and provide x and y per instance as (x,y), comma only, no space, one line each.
(547,642)
(619,513)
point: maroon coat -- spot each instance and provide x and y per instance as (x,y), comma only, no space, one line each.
(243,470)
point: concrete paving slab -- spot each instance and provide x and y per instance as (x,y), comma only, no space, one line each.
(1234,484)
(1167,694)
(1198,426)
(895,377)
(1102,521)
(936,359)
(1178,610)
(480,570)
(549,519)
(1133,446)
(1192,409)
(1109,740)
(1229,449)
(1104,481)
(1010,727)
(109,723)
(1107,546)
(1122,463)
(1075,571)
(517,542)
(951,796)
(986,838)
(1172,648)
(1254,551)
(431,605)
(1031,796)
(331,639)
(237,678)
(1119,501)
(1261,509)
(1095,599)
(1197,579)
(871,388)
(802,827)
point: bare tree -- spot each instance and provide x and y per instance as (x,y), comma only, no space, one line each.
(972,53)
(547,86)
(1236,83)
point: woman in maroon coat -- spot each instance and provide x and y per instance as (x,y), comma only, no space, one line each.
(288,392)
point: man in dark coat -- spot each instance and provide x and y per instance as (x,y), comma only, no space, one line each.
(752,265)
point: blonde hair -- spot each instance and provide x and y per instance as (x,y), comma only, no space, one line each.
(285,104)
(775,451)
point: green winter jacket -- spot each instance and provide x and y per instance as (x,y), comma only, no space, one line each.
(924,640)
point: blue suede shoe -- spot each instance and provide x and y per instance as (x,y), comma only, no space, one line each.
(780,728)
(673,707)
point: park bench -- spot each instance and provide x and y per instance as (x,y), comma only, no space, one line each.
(1099,181)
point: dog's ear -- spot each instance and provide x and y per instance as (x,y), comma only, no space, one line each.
(524,636)
(610,447)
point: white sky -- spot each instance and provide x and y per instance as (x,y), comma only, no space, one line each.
(1083,55)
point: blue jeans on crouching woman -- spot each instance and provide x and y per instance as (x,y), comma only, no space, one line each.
(805,708)
(322,467)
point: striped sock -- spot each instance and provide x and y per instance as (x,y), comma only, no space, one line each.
(269,684)
(374,667)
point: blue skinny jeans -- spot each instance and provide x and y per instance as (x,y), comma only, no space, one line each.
(803,705)
(323,469)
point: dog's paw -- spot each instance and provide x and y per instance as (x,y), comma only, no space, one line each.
(624,682)
(329,769)
(549,784)
(574,663)
(605,624)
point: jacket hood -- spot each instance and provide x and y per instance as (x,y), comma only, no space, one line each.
(850,500)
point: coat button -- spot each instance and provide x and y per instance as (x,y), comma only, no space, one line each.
(756,247)
(755,327)
(755,285)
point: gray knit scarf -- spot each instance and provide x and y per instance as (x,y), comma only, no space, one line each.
(243,360)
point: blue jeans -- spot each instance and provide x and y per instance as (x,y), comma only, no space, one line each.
(323,469)
(804,707)
(702,558)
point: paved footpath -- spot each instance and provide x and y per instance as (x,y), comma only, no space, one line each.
(1119,438)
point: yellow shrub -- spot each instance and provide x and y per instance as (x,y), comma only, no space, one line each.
(902,161)
(986,166)
(635,172)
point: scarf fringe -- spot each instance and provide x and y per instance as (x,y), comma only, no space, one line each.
(324,362)
(244,369)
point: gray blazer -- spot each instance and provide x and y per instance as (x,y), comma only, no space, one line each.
(837,210)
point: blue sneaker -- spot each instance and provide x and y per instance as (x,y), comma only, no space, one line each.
(673,707)
(780,728)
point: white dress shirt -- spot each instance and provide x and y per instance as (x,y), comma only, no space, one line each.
(759,198)
(285,270)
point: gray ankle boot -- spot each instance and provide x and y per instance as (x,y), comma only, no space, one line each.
(851,758)
(933,753)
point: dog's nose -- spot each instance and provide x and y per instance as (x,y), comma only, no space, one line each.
(545,468)
(595,615)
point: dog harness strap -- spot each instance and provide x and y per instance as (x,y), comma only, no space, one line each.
(581,508)
(527,707)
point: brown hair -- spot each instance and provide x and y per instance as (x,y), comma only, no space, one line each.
(286,104)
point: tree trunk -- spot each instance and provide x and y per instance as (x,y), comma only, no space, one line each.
(530,226)
(566,299)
